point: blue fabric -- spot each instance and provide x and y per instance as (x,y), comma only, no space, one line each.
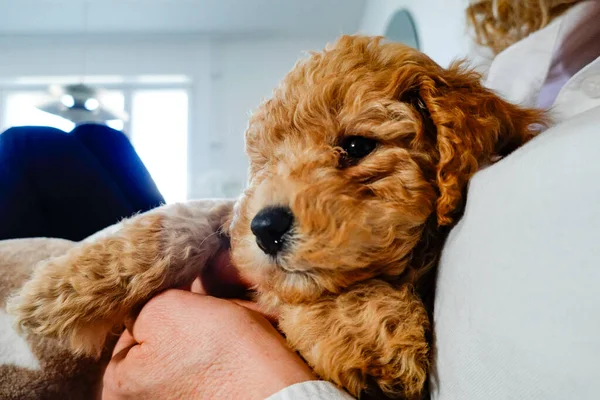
(69,185)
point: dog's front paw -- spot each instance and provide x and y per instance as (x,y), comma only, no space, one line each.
(371,339)
(79,298)
(38,313)
(82,297)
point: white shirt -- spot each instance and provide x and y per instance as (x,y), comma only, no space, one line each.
(517,307)
(520,72)
(517,302)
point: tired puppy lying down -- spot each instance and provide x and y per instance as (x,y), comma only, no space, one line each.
(359,163)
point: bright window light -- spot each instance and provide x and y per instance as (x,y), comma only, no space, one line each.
(113,99)
(159,132)
(20,110)
(91,104)
(67,100)
(116,124)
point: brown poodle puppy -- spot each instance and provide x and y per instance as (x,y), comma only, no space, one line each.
(361,156)
(359,164)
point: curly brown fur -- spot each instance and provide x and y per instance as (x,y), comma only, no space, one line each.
(368,313)
(348,283)
(345,283)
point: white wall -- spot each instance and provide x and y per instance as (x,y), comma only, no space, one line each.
(440,25)
(245,73)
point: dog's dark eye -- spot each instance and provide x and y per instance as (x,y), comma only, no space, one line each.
(357,147)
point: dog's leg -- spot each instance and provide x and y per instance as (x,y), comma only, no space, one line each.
(372,334)
(83,296)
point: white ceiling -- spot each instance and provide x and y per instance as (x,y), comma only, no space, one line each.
(295,17)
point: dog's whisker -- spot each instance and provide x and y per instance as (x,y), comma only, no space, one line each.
(207,238)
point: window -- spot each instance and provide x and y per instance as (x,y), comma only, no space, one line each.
(20,110)
(115,100)
(159,130)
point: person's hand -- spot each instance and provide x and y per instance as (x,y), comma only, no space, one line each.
(186,345)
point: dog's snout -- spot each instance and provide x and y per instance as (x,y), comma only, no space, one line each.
(270,226)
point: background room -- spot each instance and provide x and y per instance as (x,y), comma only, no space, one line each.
(180,77)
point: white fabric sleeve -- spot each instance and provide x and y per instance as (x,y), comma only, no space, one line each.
(311,390)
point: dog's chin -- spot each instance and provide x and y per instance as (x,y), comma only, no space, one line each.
(284,284)
(280,283)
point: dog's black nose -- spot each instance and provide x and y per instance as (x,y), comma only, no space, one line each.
(270,226)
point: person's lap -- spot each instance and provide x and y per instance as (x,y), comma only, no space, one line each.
(117,156)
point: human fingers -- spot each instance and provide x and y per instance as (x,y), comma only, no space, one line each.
(125,342)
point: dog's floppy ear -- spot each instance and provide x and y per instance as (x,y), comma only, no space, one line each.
(471,126)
